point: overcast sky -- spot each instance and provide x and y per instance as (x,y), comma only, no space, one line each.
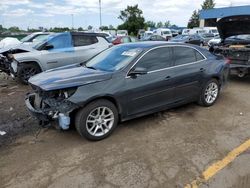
(51,13)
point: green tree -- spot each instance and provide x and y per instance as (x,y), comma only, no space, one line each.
(132,18)
(14,29)
(167,24)
(59,29)
(151,24)
(208,4)
(194,20)
(159,25)
(111,27)
(90,27)
(80,29)
(104,28)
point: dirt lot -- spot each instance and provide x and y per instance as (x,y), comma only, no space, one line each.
(167,149)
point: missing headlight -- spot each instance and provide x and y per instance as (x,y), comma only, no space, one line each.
(66,93)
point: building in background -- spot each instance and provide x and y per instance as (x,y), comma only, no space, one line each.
(208,18)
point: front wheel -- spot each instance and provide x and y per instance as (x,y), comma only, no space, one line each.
(210,93)
(27,70)
(97,120)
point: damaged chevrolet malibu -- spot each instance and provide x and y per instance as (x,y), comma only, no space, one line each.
(126,82)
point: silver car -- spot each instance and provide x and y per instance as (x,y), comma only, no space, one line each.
(57,50)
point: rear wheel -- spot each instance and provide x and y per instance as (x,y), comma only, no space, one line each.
(97,120)
(27,70)
(210,93)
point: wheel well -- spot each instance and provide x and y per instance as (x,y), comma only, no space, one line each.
(218,79)
(32,62)
(110,99)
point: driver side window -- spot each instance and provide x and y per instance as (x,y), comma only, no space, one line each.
(157,59)
(61,41)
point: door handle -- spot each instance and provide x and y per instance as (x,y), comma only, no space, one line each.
(202,70)
(167,78)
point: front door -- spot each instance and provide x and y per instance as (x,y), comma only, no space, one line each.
(61,54)
(154,89)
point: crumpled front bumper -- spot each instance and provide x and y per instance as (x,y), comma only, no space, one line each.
(39,114)
(8,65)
(58,111)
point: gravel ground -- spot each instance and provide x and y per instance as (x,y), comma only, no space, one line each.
(166,149)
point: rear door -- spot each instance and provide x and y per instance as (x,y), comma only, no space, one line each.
(87,46)
(154,89)
(189,67)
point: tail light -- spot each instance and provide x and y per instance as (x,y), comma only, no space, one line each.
(228,61)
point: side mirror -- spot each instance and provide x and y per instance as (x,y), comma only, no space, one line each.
(48,47)
(138,71)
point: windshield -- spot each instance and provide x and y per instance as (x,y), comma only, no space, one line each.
(239,37)
(166,32)
(181,37)
(40,38)
(121,32)
(207,35)
(114,58)
(214,31)
(27,38)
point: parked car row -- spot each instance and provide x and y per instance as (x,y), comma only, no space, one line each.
(82,79)
(201,39)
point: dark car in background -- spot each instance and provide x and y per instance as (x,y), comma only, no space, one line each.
(190,39)
(124,39)
(154,38)
(125,82)
(205,38)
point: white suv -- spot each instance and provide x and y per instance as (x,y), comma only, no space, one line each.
(57,50)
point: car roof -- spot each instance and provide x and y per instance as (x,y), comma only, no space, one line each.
(152,44)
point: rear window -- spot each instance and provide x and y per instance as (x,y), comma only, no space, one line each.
(82,40)
(185,55)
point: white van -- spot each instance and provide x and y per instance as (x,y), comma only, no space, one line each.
(185,31)
(196,31)
(122,33)
(164,32)
(211,30)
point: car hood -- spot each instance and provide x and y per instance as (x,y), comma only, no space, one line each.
(233,25)
(21,46)
(68,77)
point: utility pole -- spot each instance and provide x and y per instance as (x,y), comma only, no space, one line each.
(100,7)
(72,21)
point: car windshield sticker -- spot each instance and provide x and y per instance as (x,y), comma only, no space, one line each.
(131,53)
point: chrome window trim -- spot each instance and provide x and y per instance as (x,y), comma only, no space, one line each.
(168,46)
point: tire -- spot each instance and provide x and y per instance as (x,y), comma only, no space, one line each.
(87,120)
(211,86)
(27,70)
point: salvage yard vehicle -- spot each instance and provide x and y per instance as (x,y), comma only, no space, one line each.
(237,49)
(164,32)
(190,39)
(205,38)
(57,50)
(124,39)
(125,82)
(153,38)
(11,42)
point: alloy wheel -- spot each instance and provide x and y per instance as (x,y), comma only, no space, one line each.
(211,92)
(100,121)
